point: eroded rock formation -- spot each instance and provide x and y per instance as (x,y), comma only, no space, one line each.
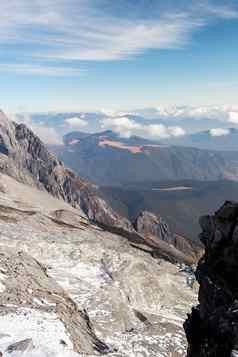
(148,223)
(153,227)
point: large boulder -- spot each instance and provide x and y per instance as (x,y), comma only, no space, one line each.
(148,224)
(154,227)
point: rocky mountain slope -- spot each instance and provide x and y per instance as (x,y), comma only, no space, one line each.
(76,279)
(71,288)
(107,159)
(24,157)
(212,327)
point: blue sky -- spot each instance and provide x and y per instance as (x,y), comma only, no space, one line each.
(93,54)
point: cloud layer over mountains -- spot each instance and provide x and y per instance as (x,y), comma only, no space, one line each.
(221,113)
(153,123)
(127,127)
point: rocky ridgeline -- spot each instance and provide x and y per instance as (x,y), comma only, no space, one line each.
(212,327)
(24,157)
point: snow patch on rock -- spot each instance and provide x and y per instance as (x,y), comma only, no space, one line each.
(47,332)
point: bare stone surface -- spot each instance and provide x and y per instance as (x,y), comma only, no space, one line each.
(94,282)
(75,277)
(27,285)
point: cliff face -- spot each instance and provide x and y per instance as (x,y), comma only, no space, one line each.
(212,327)
(24,157)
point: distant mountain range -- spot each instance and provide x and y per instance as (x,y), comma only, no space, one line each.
(105,158)
(215,139)
(135,174)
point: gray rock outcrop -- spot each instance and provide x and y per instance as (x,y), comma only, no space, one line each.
(148,224)
(153,227)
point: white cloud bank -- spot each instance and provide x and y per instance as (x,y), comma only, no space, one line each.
(126,127)
(219,132)
(76,123)
(41,70)
(48,135)
(233,117)
(221,113)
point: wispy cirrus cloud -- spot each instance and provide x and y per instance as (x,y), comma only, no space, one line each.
(222,10)
(92,30)
(80,30)
(41,70)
